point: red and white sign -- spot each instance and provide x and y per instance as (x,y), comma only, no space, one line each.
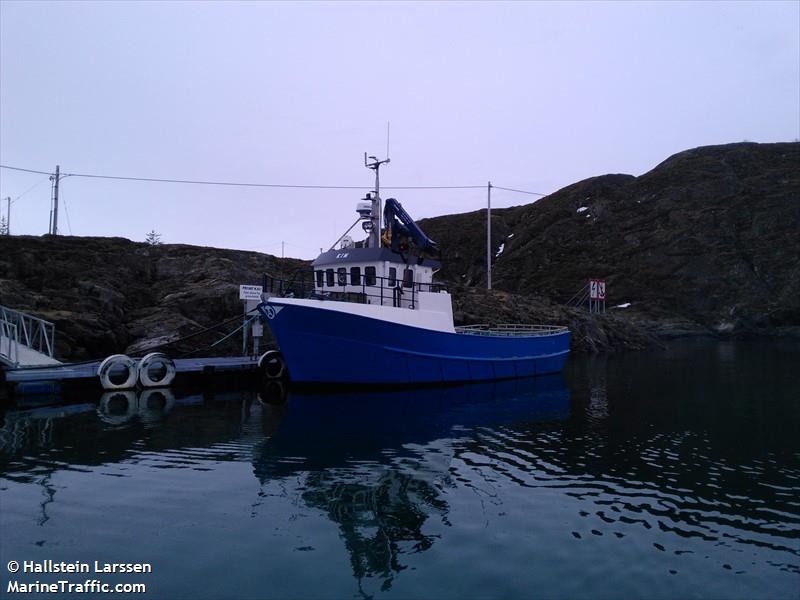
(597,289)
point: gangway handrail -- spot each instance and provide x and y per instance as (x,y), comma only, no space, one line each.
(33,332)
(9,332)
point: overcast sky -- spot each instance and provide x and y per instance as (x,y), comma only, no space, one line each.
(533,96)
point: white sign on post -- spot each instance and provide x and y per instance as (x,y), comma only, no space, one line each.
(593,289)
(601,290)
(250,292)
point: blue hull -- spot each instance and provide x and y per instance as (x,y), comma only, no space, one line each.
(326,346)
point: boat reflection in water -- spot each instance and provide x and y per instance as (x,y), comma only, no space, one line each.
(376,463)
(332,429)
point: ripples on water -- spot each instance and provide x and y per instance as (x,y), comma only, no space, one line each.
(660,474)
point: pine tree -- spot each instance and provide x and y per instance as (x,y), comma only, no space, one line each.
(153,238)
(3,226)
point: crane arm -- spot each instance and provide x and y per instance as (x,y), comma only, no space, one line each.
(400,223)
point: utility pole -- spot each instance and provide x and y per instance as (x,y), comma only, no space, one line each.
(8,216)
(282,249)
(489,235)
(54,179)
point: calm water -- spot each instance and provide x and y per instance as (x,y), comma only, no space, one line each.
(648,475)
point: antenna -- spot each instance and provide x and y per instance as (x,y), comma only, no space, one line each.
(387,139)
(377,208)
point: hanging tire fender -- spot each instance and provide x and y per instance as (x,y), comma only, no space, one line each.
(117,360)
(272,365)
(156,358)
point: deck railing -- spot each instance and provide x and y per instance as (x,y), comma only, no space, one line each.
(510,329)
(362,289)
(21,328)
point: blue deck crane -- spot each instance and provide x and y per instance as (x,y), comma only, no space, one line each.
(399,224)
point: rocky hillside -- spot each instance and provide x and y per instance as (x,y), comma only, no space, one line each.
(710,236)
(109,295)
(707,242)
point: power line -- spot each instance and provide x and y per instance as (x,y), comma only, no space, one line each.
(273,185)
(497,187)
(26,170)
(224,183)
(247,184)
(433,187)
(35,185)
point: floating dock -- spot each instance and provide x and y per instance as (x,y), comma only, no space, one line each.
(47,379)
(27,364)
(88,370)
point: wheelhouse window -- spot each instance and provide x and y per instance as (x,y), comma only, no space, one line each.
(341,275)
(369,275)
(329,277)
(320,278)
(355,275)
(392,276)
(408,278)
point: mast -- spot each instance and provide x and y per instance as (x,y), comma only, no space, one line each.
(377,204)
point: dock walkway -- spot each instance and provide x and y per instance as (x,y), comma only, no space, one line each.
(22,355)
(26,355)
(25,340)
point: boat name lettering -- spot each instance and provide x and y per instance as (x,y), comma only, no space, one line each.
(343,255)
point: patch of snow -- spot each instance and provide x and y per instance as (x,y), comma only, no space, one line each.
(625,305)
(587,216)
(510,235)
(582,208)
(500,250)
(724,327)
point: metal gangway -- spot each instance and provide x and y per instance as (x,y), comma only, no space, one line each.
(25,340)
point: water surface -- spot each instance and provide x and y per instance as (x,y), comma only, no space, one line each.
(645,475)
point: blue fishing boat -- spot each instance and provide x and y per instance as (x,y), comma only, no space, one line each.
(374,315)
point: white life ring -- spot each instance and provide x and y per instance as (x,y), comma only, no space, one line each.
(116,361)
(272,365)
(117,407)
(151,360)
